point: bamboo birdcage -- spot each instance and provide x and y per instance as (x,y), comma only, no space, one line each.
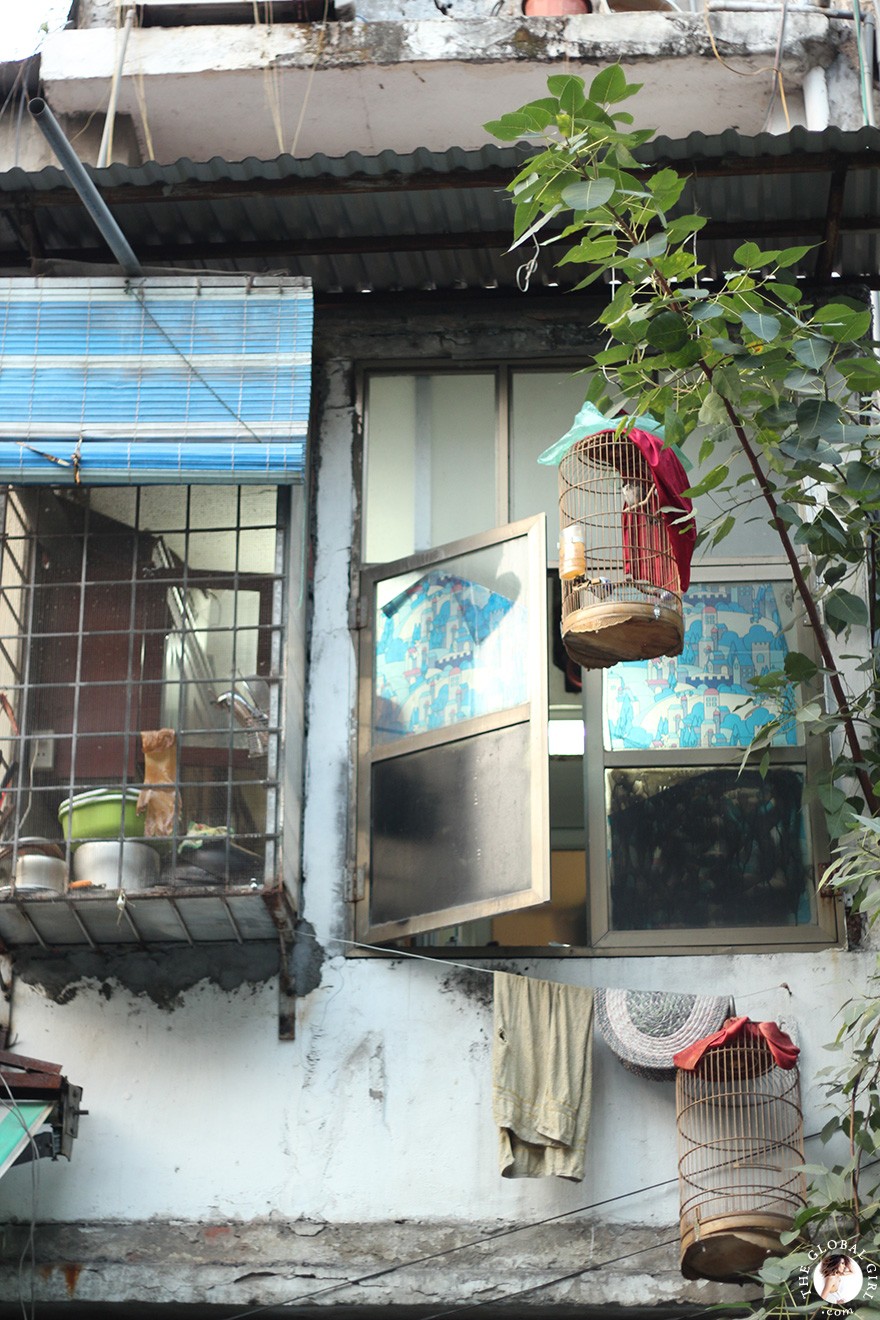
(621,590)
(741,1145)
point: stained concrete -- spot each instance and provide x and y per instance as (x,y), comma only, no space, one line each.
(161,973)
(352,1268)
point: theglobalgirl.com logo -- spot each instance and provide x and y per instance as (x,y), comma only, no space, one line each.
(840,1274)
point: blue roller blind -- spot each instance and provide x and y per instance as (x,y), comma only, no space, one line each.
(115,381)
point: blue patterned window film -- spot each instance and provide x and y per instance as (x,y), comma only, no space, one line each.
(116,381)
(451,645)
(733,631)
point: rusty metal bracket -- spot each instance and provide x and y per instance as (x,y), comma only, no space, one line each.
(6,982)
(286,990)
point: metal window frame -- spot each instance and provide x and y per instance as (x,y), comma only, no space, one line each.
(828,929)
(811,756)
(531,714)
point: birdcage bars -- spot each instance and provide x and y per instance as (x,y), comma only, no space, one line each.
(740,1131)
(621,591)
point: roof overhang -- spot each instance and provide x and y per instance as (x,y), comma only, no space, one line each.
(439,221)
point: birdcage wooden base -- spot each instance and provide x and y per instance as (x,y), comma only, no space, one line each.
(729,1247)
(600,635)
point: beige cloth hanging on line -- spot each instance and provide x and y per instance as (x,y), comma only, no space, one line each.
(542,1076)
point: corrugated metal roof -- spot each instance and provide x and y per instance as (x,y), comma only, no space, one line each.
(438,220)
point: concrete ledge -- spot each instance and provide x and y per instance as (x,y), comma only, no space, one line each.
(350,1269)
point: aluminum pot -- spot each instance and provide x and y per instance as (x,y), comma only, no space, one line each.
(99,864)
(38,872)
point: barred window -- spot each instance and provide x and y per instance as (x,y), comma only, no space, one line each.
(141,649)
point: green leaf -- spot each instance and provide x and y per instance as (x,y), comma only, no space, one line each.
(510,128)
(668,332)
(727,382)
(569,92)
(803,382)
(799,667)
(611,86)
(666,186)
(791,256)
(843,323)
(589,194)
(750,256)
(864,480)
(706,311)
(861,374)
(712,410)
(843,610)
(655,246)
(813,353)
(762,325)
(724,528)
(619,305)
(818,418)
(716,477)
(590,249)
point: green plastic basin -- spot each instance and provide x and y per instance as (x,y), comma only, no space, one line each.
(98,814)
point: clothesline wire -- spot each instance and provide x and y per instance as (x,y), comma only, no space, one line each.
(471,967)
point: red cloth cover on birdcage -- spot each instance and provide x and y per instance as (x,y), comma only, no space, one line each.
(670,479)
(782,1047)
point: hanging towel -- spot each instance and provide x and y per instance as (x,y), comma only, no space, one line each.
(670,479)
(782,1047)
(542,1075)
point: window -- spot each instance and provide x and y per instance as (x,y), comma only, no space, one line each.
(656,839)
(125,611)
(190,13)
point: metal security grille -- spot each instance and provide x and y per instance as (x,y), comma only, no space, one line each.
(141,644)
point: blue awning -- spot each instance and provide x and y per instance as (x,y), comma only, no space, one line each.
(121,381)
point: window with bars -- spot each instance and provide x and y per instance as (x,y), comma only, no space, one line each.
(126,612)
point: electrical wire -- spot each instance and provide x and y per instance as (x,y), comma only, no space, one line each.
(753,73)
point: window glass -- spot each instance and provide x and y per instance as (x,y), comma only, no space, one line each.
(692,848)
(543,405)
(430,461)
(733,632)
(451,643)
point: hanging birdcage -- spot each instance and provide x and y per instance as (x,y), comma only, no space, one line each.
(619,557)
(741,1146)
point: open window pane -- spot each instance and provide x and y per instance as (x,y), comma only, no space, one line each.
(453,802)
(451,643)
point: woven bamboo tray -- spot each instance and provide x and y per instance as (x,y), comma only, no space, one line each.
(598,636)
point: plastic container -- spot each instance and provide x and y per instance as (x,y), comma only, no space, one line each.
(100,814)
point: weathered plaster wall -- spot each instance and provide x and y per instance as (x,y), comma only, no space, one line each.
(388,85)
(220,1164)
(23,145)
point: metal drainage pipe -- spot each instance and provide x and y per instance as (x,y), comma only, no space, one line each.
(88,193)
